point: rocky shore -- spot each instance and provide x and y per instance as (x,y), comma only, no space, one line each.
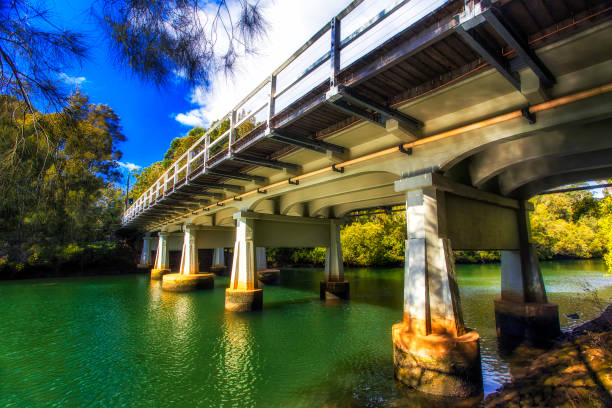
(576,372)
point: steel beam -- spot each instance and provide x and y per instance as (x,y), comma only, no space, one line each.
(237,176)
(273,164)
(522,50)
(219,186)
(493,57)
(304,142)
(199,193)
(346,100)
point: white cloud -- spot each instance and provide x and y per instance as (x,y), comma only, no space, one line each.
(191,118)
(291,24)
(70,80)
(129,166)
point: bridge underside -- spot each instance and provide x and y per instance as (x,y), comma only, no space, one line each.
(461,117)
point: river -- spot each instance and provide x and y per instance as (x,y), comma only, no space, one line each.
(121,341)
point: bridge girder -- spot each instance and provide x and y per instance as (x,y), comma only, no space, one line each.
(515,178)
(556,143)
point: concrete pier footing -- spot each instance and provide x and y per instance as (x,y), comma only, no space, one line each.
(243,300)
(335,290)
(177,282)
(269,276)
(438,364)
(157,274)
(534,322)
(219,270)
(218,263)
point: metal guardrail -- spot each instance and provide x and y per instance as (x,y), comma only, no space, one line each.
(290,81)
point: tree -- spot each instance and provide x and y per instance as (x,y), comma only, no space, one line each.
(161,38)
(56,205)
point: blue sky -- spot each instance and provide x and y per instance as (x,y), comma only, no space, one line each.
(152,117)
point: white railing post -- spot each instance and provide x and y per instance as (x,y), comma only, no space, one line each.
(334,55)
(188,168)
(272,99)
(206,152)
(231,131)
(175,178)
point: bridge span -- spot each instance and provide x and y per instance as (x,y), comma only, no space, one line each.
(461,110)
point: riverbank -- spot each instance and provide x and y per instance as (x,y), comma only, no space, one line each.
(577,372)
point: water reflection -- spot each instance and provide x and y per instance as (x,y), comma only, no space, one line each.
(238,364)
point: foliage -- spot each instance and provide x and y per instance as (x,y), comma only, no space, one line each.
(160,38)
(605,225)
(566,225)
(377,241)
(53,206)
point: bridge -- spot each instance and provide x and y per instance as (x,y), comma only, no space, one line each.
(460,110)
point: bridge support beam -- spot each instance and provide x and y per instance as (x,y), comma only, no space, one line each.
(162,265)
(243,294)
(266,276)
(218,263)
(523,311)
(189,278)
(145,255)
(334,286)
(433,351)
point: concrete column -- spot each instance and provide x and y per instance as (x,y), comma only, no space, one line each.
(145,256)
(266,276)
(189,256)
(218,263)
(189,276)
(334,286)
(243,293)
(162,265)
(523,311)
(433,351)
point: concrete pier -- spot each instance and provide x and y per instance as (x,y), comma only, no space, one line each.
(218,263)
(433,351)
(189,278)
(162,262)
(243,294)
(265,275)
(145,255)
(334,287)
(523,311)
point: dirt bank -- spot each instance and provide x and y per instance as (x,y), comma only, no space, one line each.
(577,372)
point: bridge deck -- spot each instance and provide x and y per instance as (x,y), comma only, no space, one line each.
(404,51)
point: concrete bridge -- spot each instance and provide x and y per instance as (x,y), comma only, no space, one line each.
(461,110)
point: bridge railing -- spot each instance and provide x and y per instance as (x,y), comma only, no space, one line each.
(362,27)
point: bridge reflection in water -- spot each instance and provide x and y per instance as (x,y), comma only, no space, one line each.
(461,110)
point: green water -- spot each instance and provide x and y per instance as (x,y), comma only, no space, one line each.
(121,341)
